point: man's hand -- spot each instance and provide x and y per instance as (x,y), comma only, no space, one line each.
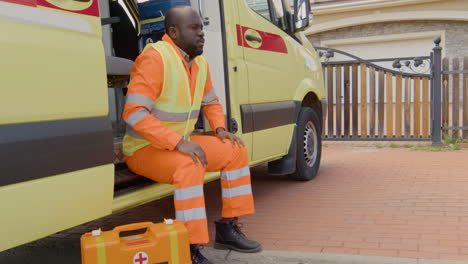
(223,134)
(192,149)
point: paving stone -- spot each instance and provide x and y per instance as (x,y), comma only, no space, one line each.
(365,201)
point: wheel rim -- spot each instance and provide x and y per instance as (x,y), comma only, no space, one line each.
(310,146)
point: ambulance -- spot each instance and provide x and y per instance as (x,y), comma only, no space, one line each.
(65,66)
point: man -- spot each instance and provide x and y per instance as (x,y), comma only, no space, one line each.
(170,82)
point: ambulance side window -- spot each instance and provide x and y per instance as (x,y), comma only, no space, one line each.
(279,18)
(272,10)
(261,7)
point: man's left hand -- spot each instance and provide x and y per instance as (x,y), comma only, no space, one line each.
(222,134)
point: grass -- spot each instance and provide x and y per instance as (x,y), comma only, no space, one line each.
(429,147)
(406,145)
(449,145)
(448,139)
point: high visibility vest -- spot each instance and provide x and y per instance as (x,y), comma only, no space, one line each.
(174,107)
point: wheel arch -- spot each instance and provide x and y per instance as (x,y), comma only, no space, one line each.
(287,164)
(310,92)
(312,100)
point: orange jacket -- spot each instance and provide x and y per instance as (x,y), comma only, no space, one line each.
(147,79)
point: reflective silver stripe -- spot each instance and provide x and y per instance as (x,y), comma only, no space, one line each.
(173,117)
(169,117)
(140,99)
(233,192)
(209,97)
(136,117)
(235,174)
(189,192)
(212,102)
(46,18)
(194,114)
(129,131)
(191,214)
(186,136)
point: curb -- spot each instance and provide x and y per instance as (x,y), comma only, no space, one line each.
(291,257)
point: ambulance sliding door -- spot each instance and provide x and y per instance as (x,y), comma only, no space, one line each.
(213,50)
(55,137)
(225,58)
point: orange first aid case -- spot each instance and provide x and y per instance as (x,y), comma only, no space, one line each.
(162,243)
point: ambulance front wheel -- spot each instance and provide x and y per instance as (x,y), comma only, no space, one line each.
(309,145)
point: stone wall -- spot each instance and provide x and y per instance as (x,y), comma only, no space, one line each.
(456,33)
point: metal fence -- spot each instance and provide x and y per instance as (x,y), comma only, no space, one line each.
(366,101)
(455,97)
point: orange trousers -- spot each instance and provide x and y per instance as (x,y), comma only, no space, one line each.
(176,168)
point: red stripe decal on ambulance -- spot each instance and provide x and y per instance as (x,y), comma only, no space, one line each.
(92,10)
(269,41)
(22,2)
(239,35)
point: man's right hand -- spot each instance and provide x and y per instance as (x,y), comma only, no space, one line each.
(192,149)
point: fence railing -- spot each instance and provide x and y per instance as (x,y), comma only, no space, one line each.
(455,97)
(368,102)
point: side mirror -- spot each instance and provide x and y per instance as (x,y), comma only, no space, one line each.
(301,14)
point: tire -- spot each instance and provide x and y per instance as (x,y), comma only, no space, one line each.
(309,145)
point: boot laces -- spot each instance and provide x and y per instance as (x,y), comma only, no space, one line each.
(237,229)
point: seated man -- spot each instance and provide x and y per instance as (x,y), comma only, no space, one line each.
(170,82)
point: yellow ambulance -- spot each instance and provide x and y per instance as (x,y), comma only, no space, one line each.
(65,65)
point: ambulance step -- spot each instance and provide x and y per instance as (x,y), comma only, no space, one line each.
(126,180)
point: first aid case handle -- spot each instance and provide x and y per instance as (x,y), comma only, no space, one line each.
(131,227)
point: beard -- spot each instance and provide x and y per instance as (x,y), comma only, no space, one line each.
(195,51)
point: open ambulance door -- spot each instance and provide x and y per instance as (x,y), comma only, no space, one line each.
(56,167)
(226,61)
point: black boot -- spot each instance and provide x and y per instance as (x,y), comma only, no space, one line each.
(197,257)
(229,236)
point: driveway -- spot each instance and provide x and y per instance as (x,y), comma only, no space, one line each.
(367,205)
(368,201)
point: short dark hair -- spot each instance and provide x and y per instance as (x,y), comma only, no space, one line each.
(172,16)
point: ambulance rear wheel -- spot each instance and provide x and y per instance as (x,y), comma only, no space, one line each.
(309,145)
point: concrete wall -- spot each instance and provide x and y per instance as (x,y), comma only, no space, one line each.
(357,12)
(455,34)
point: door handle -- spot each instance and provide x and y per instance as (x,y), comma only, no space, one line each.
(253,38)
(83,1)
(109,20)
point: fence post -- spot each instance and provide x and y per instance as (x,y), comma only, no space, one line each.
(436,89)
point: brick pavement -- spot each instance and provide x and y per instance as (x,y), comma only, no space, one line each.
(365,201)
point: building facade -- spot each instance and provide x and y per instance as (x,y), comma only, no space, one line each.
(374,29)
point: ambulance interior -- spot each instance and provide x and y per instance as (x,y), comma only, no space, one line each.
(128,25)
